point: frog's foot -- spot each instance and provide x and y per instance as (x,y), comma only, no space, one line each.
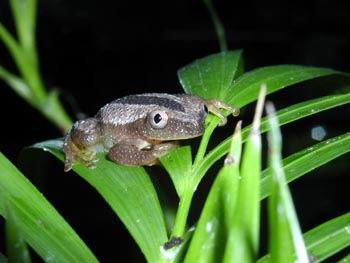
(131,155)
(73,154)
(80,144)
(214,106)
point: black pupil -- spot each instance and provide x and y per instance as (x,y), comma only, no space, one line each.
(157,118)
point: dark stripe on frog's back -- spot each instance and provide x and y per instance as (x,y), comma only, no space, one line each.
(151,100)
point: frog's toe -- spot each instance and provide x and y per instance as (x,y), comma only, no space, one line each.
(67,165)
(235,111)
(73,155)
(88,158)
(223,121)
(161,149)
(92,163)
(214,106)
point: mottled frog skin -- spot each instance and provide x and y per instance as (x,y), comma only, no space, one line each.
(138,129)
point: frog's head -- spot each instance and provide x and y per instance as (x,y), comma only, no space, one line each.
(182,118)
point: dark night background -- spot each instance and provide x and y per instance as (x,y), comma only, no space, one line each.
(96,51)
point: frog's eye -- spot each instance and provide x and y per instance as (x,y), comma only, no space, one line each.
(158,119)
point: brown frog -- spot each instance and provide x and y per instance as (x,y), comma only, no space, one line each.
(138,129)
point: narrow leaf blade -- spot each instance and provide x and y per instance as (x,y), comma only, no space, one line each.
(41,225)
(130,193)
(16,84)
(53,107)
(246,88)
(285,239)
(16,247)
(329,238)
(308,159)
(219,28)
(285,116)
(326,239)
(207,244)
(24,12)
(243,236)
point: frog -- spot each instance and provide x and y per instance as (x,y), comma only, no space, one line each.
(136,130)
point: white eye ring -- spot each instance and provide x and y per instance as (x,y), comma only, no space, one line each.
(158,119)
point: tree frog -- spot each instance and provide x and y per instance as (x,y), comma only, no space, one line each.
(136,130)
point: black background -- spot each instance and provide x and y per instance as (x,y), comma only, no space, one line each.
(96,51)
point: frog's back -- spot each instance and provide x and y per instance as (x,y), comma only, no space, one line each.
(131,108)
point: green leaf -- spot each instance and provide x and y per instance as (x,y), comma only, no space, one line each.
(23,51)
(211,77)
(245,89)
(210,234)
(16,84)
(14,48)
(286,115)
(54,111)
(51,108)
(345,259)
(219,28)
(308,159)
(16,247)
(40,224)
(243,235)
(326,239)
(27,65)
(24,12)
(178,164)
(286,243)
(130,193)
(329,238)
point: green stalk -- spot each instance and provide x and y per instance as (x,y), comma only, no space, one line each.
(29,85)
(194,179)
(212,123)
(182,213)
(219,28)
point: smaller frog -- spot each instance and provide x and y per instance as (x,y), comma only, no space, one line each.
(136,130)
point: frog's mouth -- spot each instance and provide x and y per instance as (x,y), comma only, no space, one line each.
(175,142)
(173,139)
(184,134)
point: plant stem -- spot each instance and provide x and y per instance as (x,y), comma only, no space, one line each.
(219,28)
(29,84)
(186,198)
(57,115)
(213,122)
(182,213)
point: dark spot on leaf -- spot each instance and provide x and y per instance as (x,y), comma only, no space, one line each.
(173,242)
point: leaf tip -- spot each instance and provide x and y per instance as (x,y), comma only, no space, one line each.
(259,108)
(233,154)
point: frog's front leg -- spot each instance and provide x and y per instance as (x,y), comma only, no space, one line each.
(133,154)
(81,143)
(214,106)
